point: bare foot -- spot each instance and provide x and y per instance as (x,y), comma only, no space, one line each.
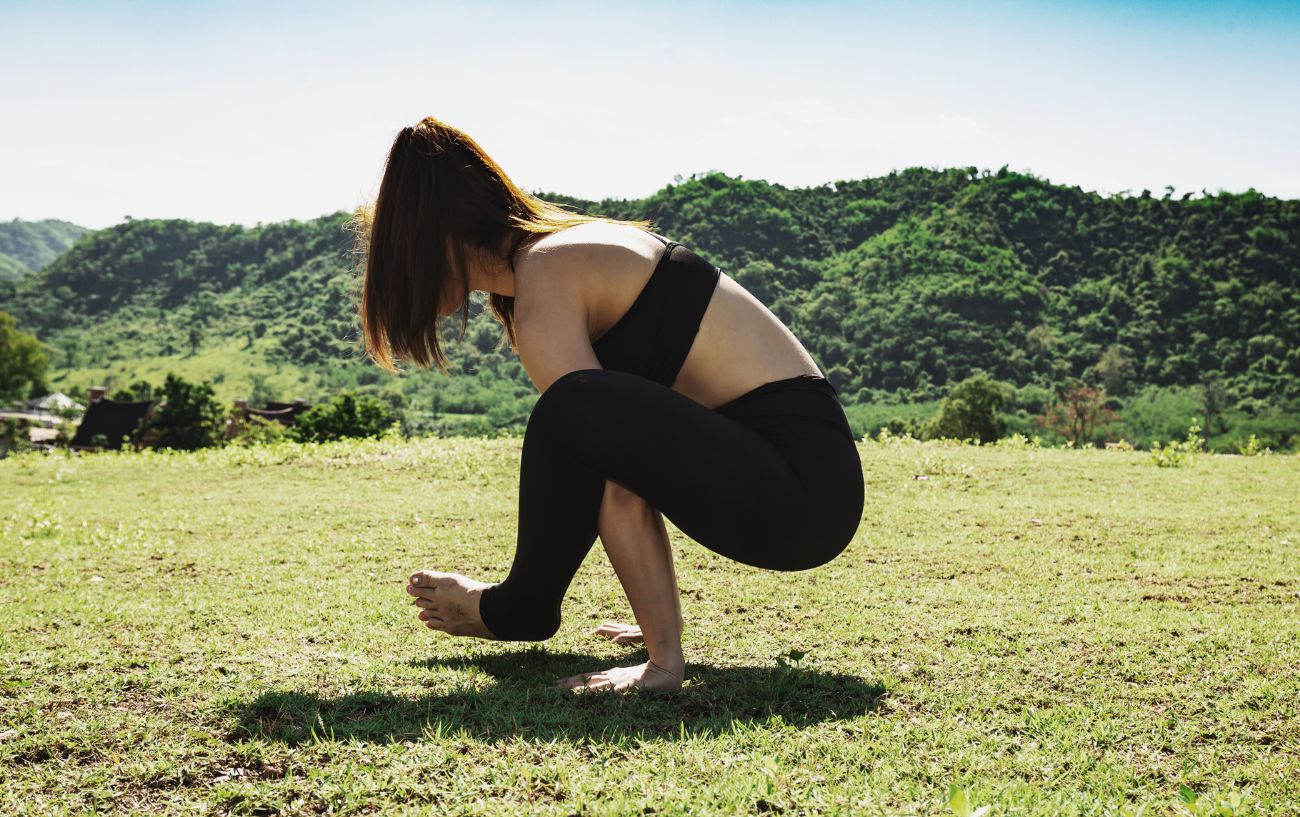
(648,676)
(620,633)
(449,602)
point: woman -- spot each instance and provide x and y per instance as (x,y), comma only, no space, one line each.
(666,390)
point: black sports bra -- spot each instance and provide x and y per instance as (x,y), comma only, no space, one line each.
(654,336)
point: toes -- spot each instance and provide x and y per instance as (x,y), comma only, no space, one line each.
(428,580)
(424,592)
(574,681)
(595,683)
(620,633)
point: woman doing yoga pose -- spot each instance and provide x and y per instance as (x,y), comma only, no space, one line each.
(667,389)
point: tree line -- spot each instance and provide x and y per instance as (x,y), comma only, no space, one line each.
(901,286)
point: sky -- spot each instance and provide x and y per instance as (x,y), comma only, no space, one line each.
(248,112)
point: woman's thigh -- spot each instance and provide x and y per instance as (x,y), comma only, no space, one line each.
(720,482)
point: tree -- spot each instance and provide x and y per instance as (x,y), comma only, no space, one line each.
(22,361)
(189,416)
(259,391)
(139,390)
(346,415)
(970,410)
(1079,413)
(1215,399)
(1114,369)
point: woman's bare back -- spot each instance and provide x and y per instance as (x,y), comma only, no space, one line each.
(740,344)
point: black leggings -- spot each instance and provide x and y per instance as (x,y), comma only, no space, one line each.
(771,479)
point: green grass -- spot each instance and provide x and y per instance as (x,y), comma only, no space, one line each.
(1055,632)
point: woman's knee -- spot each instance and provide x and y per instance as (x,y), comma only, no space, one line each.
(569,404)
(566,389)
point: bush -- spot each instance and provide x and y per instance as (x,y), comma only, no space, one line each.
(970,411)
(1175,454)
(1019,442)
(1252,447)
(1082,415)
(255,430)
(189,416)
(13,435)
(347,414)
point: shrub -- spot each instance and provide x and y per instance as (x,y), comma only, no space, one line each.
(188,417)
(256,430)
(347,414)
(13,434)
(1081,414)
(969,412)
(1176,454)
(1019,441)
(1252,447)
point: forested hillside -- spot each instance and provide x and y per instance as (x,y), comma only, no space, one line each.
(900,286)
(29,245)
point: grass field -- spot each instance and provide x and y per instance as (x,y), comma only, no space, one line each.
(1054,632)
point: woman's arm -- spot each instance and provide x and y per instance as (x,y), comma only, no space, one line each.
(551,331)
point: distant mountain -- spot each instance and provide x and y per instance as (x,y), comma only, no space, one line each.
(899,286)
(27,246)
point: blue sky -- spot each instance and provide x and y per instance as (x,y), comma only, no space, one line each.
(246,112)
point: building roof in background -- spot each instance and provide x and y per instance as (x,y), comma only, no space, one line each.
(283,416)
(284,413)
(113,419)
(57,401)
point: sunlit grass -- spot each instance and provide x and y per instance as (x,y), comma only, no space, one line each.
(1043,632)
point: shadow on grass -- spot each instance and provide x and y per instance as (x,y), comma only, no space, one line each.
(523,703)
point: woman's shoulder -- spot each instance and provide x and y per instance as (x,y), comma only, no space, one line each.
(595,238)
(592,262)
(592,253)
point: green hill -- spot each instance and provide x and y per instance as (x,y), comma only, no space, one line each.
(29,245)
(899,286)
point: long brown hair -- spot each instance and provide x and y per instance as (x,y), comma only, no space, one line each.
(440,196)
